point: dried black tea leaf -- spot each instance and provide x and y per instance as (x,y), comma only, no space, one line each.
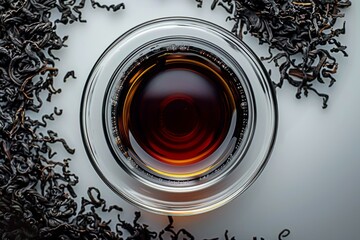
(112,7)
(200,3)
(283,234)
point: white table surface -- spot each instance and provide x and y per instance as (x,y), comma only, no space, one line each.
(311,183)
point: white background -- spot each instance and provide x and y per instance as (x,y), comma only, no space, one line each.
(311,183)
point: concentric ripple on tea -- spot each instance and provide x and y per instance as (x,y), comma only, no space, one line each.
(180,113)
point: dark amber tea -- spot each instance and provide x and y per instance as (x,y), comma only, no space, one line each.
(178,111)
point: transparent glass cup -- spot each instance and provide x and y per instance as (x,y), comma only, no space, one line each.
(208,184)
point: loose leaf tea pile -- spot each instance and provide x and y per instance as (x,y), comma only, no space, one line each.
(37,197)
(36,188)
(301,33)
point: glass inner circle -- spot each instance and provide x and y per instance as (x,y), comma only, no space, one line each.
(179,113)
